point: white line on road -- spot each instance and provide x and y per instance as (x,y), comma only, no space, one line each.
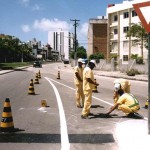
(65,145)
(74,90)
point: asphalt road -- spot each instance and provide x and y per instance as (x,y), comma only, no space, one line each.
(59,125)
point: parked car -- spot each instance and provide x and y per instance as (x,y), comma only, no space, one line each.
(37,64)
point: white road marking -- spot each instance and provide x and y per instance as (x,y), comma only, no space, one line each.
(65,145)
(74,90)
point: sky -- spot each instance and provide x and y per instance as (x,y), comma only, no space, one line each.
(28,19)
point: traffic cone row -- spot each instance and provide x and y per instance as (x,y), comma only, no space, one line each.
(36,81)
(7,124)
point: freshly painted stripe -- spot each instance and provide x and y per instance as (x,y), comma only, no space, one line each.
(65,145)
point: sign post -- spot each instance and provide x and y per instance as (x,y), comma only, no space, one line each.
(141,9)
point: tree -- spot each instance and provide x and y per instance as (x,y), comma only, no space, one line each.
(96,56)
(137,31)
(81,53)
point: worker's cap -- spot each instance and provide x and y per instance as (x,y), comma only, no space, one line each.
(93,61)
(117,86)
(80,60)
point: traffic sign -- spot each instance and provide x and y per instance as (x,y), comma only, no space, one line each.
(142,10)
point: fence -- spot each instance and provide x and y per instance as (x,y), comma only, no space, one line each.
(119,66)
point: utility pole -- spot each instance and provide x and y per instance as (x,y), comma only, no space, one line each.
(75,39)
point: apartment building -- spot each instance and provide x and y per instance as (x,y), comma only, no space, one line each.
(97,36)
(61,41)
(120,18)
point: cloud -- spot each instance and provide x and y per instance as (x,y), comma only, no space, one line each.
(82,33)
(54,24)
(26,28)
(25,2)
(84,29)
(36,7)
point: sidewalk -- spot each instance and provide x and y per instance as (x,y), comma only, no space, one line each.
(118,74)
(8,71)
(113,74)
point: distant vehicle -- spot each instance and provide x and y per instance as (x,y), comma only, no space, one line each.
(37,64)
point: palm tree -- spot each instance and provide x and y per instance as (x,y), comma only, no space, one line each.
(138,31)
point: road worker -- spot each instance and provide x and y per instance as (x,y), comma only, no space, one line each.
(78,81)
(88,85)
(125,84)
(126,102)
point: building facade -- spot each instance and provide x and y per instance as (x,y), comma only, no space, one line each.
(97,36)
(120,18)
(61,41)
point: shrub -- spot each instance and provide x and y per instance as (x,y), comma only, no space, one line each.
(132,72)
(139,60)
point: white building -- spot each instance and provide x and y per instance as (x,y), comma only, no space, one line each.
(120,18)
(61,41)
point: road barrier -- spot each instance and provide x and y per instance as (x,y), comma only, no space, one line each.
(7,124)
(31,88)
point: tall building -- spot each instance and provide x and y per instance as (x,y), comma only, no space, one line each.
(61,41)
(97,36)
(120,18)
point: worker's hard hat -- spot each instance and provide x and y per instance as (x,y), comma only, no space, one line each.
(117,86)
(93,61)
(80,60)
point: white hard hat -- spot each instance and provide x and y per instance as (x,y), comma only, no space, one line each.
(93,61)
(117,86)
(80,60)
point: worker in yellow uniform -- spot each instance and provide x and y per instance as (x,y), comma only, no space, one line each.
(78,81)
(125,84)
(88,85)
(127,103)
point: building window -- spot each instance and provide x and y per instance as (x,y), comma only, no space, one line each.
(115,18)
(125,44)
(125,57)
(126,15)
(115,31)
(134,13)
(125,29)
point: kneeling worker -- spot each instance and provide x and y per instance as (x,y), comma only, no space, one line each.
(127,103)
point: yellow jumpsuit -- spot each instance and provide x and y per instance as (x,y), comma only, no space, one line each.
(79,86)
(128,103)
(87,89)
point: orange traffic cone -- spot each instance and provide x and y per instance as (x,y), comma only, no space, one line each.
(95,88)
(39,75)
(7,124)
(58,77)
(31,88)
(36,81)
